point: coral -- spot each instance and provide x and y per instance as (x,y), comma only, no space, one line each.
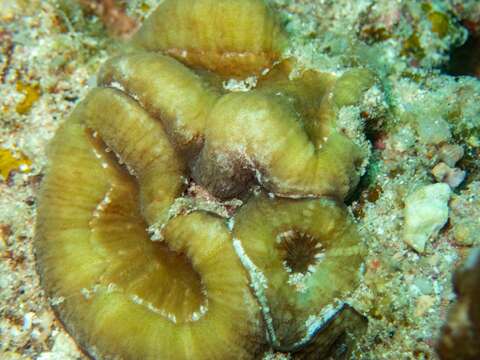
(141,144)
(176,95)
(174,120)
(250,38)
(309,253)
(288,154)
(327,161)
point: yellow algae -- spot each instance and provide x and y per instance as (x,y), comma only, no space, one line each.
(439,23)
(31,92)
(11,161)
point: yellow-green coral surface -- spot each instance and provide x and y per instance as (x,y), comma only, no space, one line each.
(163,121)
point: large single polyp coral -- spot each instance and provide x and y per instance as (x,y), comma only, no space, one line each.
(121,169)
(305,249)
(283,135)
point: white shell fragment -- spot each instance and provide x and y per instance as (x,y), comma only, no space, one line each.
(426,212)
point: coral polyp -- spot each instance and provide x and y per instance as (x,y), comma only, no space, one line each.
(282,134)
(138,274)
(141,144)
(309,253)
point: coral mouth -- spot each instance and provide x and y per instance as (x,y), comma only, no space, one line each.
(300,251)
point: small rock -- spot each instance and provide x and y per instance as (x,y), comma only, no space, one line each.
(426,212)
(425,285)
(433,131)
(453,177)
(450,154)
(424,303)
(456,177)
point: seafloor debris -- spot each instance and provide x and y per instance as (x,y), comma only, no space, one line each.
(111,177)
(426,212)
(460,336)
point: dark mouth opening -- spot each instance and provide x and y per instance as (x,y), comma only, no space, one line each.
(300,250)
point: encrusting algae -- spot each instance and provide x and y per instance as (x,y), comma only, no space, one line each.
(276,273)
